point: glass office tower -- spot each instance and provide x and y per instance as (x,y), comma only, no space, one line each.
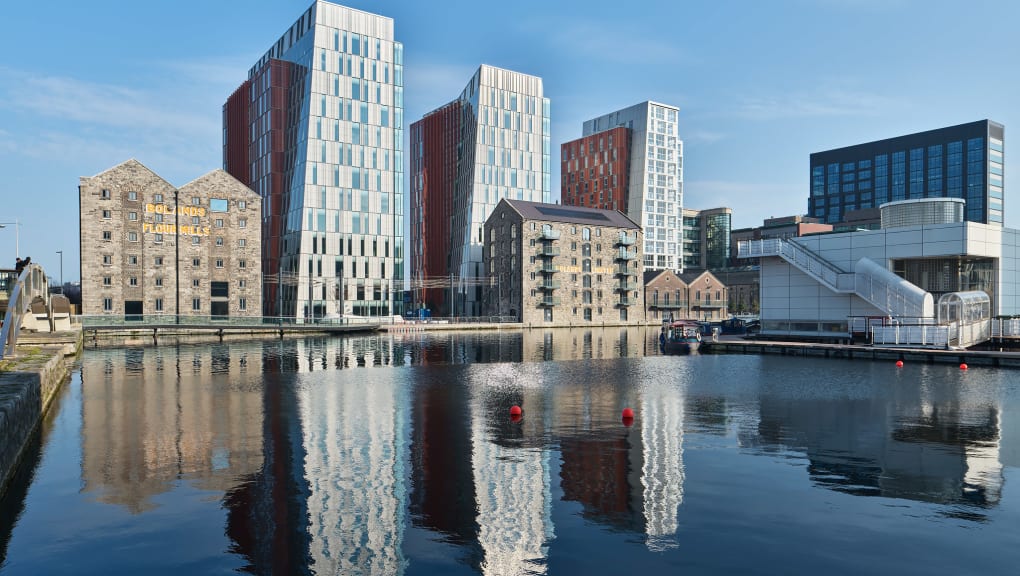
(316,130)
(499,147)
(655,183)
(964,161)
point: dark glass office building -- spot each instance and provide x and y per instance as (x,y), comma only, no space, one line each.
(964,161)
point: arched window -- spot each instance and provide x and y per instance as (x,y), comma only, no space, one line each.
(586,234)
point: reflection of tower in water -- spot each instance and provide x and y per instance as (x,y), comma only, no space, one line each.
(356,453)
(512,483)
(662,436)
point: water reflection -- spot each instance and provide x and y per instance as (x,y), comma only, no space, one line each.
(326,453)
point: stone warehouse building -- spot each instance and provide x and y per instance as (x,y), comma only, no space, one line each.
(139,234)
(691,296)
(552,265)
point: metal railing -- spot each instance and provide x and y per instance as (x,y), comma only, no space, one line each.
(30,284)
(915,335)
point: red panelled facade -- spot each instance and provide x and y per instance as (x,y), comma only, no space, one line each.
(255,136)
(595,170)
(434,157)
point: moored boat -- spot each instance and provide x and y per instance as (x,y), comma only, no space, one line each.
(680,337)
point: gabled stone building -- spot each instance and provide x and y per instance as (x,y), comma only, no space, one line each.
(551,265)
(694,296)
(139,234)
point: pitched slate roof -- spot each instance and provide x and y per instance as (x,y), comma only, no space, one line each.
(571,214)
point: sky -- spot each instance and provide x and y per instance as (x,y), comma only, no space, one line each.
(85,86)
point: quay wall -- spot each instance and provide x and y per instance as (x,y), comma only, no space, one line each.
(26,391)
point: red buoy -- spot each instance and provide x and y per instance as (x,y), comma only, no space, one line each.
(515,410)
(963,366)
(515,418)
(628,413)
(899,363)
(628,422)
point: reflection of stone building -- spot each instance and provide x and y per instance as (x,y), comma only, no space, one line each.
(161,418)
(583,344)
(356,468)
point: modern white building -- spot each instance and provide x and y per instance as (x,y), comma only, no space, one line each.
(655,190)
(317,131)
(499,126)
(817,285)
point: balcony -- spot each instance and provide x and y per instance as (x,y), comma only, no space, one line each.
(548,268)
(707,303)
(626,301)
(625,241)
(548,301)
(674,305)
(624,254)
(547,251)
(623,270)
(625,286)
(549,285)
(550,234)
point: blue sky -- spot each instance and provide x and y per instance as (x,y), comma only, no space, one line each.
(760,85)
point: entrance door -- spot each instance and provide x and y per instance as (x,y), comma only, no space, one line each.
(133,311)
(219,309)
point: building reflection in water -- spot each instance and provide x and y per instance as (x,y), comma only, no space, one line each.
(151,417)
(934,442)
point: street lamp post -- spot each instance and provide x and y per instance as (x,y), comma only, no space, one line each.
(61,252)
(17,235)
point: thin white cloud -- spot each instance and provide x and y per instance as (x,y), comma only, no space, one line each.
(823,102)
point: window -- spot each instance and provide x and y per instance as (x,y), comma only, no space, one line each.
(195,240)
(196,262)
(158,239)
(107,302)
(196,304)
(241,204)
(196,283)
(107,235)
(132,196)
(242,242)
(196,200)
(219,262)
(195,221)
(159,281)
(219,223)
(132,236)
(159,261)
(107,214)
(104,194)
(242,304)
(219,240)
(157,197)
(159,304)
(107,281)
(107,259)
(242,222)
(132,215)
(219,289)
(242,263)
(133,281)
(241,283)
(133,260)
(218,205)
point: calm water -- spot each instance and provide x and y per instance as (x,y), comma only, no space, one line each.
(396,455)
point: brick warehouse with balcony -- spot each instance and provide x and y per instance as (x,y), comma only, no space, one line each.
(551,265)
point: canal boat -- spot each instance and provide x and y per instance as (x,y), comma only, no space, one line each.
(680,337)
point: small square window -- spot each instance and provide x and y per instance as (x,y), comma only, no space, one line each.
(159,281)
(196,200)
(242,242)
(219,262)
(133,281)
(196,239)
(196,283)
(107,235)
(242,264)
(104,194)
(241,283)
(159,260)
(132,216)
(157,197)
(107,259)
(196,262)
(159,239)
(133,260)
(219,223)
(196,304)
(195,220)
(107,214)
(107,304)
(132,196)
(132,236)
(219,240)
(241,204)
(107,281)
(159,217)
(242,223)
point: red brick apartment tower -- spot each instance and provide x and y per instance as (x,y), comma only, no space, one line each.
(595,170)
(434,156)
(255,132)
